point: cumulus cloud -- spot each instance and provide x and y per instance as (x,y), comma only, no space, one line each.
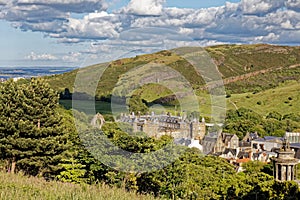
(260,7)
(72,57)
(40,57)
(145,7)
(147,25)
(76,6)
(293,4)
(90,28)
(269,37)
(31,13)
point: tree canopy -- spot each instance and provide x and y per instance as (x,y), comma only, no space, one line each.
(32,133)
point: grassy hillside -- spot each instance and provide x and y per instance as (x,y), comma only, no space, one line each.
(240,65)
(114,71)
(249,68)
(246,70)
(235,60)
(16,187)
(283,99)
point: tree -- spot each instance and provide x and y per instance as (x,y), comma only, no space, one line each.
(241,121)
(253,167)
(136,104)
(32,134)
(274,115)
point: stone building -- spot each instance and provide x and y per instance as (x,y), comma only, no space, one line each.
(292,137)
(217,142)
(267,143)
(157,125)
(285,164)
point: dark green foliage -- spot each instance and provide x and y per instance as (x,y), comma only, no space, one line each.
(264,81)
(268,169)
(136,105)
(274,115)
(243,120)
(253,167)
(292,116)
(192,176)
(32,133)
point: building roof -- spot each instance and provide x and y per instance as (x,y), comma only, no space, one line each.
(183,141)
(243,154)
(227,150)
(295,145)
(270,139)
(244,144)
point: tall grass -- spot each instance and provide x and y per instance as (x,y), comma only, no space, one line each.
(17,187)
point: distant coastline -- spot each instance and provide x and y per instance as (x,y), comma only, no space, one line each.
(28,72)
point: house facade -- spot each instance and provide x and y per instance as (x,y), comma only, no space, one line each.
(157,125)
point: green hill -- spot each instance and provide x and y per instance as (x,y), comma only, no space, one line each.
(284,99)
(245,69)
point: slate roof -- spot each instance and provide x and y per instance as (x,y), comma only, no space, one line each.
(269,139)
(183,141)
(243,154)
(227,150)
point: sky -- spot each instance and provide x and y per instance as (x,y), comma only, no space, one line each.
(83,32)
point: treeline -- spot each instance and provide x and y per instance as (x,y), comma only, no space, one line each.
(38,138)
(245,120)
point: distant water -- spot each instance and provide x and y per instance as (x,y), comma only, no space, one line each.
(28,72)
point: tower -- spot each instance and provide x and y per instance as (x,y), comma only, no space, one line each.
(285,163)
(202,128)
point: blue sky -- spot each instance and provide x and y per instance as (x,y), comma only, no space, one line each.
(83,32)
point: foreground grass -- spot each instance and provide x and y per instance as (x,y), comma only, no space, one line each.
(18,187)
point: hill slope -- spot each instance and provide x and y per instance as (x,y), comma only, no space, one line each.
(283,99)
(244,68)
(236,63)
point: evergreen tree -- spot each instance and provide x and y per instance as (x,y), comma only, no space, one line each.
(32,133)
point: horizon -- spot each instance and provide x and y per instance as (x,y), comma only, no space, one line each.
(47,66)
(52,33)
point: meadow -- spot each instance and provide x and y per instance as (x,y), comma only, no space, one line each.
(18,187)
(283,99)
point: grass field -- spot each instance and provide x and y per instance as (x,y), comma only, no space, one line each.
(16,187)
(283,99)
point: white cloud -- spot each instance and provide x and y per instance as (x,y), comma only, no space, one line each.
(77,6)
(72,57)
(186,31)
(147,25)
(31,13)
(293,4)
(260,6)
(267,38)
(91,27)
(41,57)
(145,7)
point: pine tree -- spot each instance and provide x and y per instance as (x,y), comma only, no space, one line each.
(32,133)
